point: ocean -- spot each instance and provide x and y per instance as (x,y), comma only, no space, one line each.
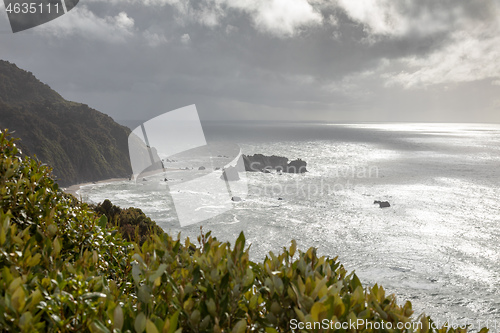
(437,245)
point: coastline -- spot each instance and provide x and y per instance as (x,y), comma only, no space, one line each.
(73,189)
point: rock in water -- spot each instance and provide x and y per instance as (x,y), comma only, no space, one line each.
(262,163)
(382,204)
(297,166)
(259,162)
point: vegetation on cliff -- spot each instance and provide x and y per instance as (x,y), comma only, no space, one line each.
(64,269)
(80,143)
(132,223)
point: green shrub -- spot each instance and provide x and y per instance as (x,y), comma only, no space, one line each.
(63,269)
(132,223)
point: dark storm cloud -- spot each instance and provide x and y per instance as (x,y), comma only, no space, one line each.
(346,60)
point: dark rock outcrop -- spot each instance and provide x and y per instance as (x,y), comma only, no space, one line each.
(382,204)
(262,163)
(297,166)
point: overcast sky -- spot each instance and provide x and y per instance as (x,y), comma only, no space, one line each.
(339,60)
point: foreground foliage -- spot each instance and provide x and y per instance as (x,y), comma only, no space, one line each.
(64,270)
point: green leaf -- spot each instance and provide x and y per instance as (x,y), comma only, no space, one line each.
(140,323)
(35,260)
(103,221)
(249,277)
(159,272)
(150,327)
(118,317)
(144,293)
(211,307)
(56,247)
(18,300)
(293,247)
(355,283)
(240,327)
(317,311)
(240,242)
(271,330)
(171,323)
(100,327)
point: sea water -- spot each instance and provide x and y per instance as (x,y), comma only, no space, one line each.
(438,245)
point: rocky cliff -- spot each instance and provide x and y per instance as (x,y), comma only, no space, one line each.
(80,143)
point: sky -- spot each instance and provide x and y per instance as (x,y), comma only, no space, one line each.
(285,60)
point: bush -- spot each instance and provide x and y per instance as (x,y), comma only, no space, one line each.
(132,223)
(64,270)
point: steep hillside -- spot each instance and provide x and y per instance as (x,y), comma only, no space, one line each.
(81,144)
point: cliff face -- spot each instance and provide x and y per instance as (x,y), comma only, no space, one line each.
(259,162)
(80,143)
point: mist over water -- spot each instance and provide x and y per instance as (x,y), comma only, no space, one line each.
(437,245)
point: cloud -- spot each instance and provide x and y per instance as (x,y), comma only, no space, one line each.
(283,18)
(142,2)
(471,55)
(401,17)
(449,41)
(83,22)
(154,39)
(279,17)
(292,55)
(122,21)
(379,16)
(185,39)
(230,29)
